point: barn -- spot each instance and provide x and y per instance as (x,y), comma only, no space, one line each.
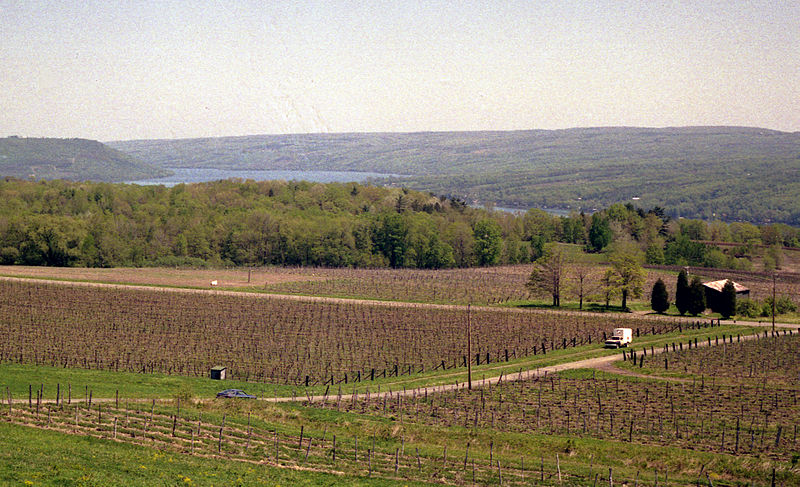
(714,292)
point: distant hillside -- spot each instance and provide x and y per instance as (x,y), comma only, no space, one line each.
(731,173)
(73,159)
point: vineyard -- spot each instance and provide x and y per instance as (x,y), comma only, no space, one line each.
(707,409)
(492,427)
(741,399)
(478,286)
(745,419)
(269,338)
(228,439)
(771,360)
(483,285)
(240,439)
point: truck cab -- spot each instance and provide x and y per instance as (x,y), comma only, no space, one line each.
(620,338)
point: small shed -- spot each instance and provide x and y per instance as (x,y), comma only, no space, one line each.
(218,372)
(714,292)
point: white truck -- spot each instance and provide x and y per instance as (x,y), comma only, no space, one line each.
(620,338)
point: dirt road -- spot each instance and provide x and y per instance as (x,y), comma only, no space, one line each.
(597,363)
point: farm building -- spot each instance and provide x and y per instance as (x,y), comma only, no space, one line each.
(714,292)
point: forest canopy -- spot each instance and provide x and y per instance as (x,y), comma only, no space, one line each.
(243,223)
(59,223)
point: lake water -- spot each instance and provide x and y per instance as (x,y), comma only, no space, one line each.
(520,211)
(202,175)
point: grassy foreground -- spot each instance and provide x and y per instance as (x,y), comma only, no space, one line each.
(31,456)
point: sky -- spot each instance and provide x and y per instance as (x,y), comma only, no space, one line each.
(177,69)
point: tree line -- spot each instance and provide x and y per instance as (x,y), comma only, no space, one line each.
(691,297)
(243,223)
(239,223)
(560,271)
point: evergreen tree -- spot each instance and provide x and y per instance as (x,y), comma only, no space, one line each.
(727,302)
(697,297)
(659,298)
(682,293)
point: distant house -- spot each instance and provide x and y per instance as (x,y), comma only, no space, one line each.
(714,292)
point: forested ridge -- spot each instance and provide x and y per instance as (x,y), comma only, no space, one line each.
(73,159)
(727,173)
(234,222)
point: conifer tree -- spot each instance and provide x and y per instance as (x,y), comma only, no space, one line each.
(697,297)
(727,302)
(682,293)
(659,298)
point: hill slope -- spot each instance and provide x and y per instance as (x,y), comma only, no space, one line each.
(733,173)
(73,159)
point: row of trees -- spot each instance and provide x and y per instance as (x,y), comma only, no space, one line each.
(58,223)
(665,241)
(691,297)
(560,271)
(236,222)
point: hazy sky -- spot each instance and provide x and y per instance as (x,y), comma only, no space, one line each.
(121,70)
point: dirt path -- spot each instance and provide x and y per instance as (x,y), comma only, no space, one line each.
(597,363)
(794,326)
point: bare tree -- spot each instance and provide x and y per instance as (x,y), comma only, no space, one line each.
(583,281)
(548,272)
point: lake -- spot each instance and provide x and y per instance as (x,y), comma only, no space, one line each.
(203,175)
(520,211)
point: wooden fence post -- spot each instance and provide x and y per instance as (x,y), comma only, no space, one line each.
(558,468)
(499,473)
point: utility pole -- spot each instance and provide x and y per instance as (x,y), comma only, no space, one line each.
(773,302)
(469,349)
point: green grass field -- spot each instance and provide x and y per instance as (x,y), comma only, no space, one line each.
(31,456)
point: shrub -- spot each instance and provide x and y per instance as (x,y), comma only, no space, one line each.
(754,309)
(748,308)
(783,304)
